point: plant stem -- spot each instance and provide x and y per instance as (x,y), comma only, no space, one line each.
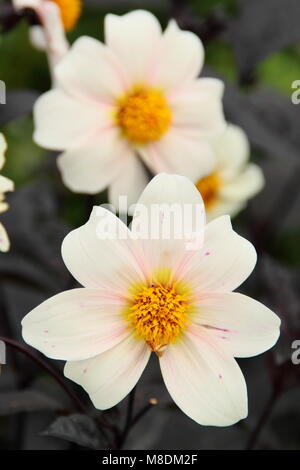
(263,419)
(152,402)
(27,352)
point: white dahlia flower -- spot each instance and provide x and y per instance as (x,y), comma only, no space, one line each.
(135,100)
(232,181)
(162,295)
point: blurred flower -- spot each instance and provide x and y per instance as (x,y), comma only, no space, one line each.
(143,295)
(56,17)
(234,180)
(137,95)
(5,185)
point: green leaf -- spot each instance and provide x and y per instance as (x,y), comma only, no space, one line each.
(23,156)
(17,54)
(204,7)
(219,56)
(280,70)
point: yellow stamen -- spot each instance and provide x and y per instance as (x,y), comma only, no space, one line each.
(70,12)
(158,314)
(209,188)
(143,115)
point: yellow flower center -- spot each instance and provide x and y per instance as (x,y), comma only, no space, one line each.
(158,314)
(70,12)
(209,188)
(143,115)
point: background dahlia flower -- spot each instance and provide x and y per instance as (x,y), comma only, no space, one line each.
(232,180)
(136,96)
(158,295)
(5,185)
(56,18)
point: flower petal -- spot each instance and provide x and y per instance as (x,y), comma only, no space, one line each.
(4,240)
(130,183)
(204,380)
(91,72)
(213,86)
(244,326)
(198,108)
(169,221)
(179,153)
(3,147)
(6,184)
(20,4)
(109,377)
(133,38)
(178,58)
(38,38)
(91,166)
(245,185)
(76,324)
(222,207)
(57,45)
(55,125)
(101,253)
(224,261)
(232,151)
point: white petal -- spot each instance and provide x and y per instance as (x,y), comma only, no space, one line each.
(133,38)
(76,324)
(20,4)
(213,86)
(169,219)
(223,207)
(170,189)
(179,153)
(92,166)
(91,72)
(204,380)
(245,185)
(3,206)
(3,147)
(57,123)
(37,37)
(102,254)
(232,150)
(57,44)
(223,263)
(109,377)
(4,240)
(198,108)
(179,58)
(244,326)
(6,185)
(130,183)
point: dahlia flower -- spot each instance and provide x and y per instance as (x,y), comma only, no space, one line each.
(158,295)
(232,181)
(133,101)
